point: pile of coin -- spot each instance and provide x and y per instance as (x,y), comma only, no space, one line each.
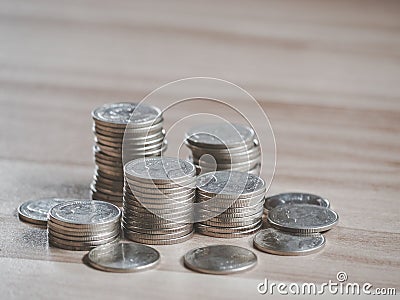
(129,129)
(83,224)
(229,204)
(224,146)
(158,200)
(295,222)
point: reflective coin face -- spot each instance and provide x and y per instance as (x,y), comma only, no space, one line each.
(230,183)
(220,259)
(285,243)
(295,198)
(85,212)
(124,113)
(302,218)
(35,211)
(222,135)
(161,169)
(123,257)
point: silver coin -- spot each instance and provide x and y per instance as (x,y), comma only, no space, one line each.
(237,150)
(159,169)
(123,257)
(159,231)
(285,243)
(229,230)
(220,259)
(168,241)
(302,218)
(70,231)
(87,238)
(124,113)
(228,235)
(36,211)
(295,198)
(221,135)
(85,213)
(230,158)
(230,183)
(168,226)
(160,236)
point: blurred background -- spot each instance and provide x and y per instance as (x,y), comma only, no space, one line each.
(325,72)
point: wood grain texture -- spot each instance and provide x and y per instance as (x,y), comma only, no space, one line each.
(327,73)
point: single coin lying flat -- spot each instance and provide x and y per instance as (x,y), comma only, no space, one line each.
(220,259)
(285,243)
(123,257)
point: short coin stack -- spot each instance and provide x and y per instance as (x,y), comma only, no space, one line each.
(224,146)
(296,221)
(136,129)
(230,204)
(158,200)
(83,224)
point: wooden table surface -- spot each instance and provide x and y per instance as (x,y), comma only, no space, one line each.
(327,73)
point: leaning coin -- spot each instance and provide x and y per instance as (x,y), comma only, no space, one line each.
(35,211)
(123,257)
(284,243)
(220,259)
(294,198)
(302,218)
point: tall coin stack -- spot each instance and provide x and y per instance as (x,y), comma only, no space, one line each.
(158,200)
(137,128)
(229,204)
(83,224)
(224,146)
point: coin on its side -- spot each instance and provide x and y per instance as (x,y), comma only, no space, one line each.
(302,218)
(220,259)
(285,243)
(123,257)
(35,211)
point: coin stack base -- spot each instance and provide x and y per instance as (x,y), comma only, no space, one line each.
(158,200)
(230,204)
(83,225)
(136,129)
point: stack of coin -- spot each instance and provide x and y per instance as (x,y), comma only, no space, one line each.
(136,129)
(224,146)
(158,200)
(230,203)
(296,225)
(83,224)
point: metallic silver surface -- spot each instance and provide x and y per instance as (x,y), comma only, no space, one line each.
(220,259)
(85,212)
(123,257)
(221,135)
(294,198)
(302,218)
(285,243)
(36,211)
(124,113)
